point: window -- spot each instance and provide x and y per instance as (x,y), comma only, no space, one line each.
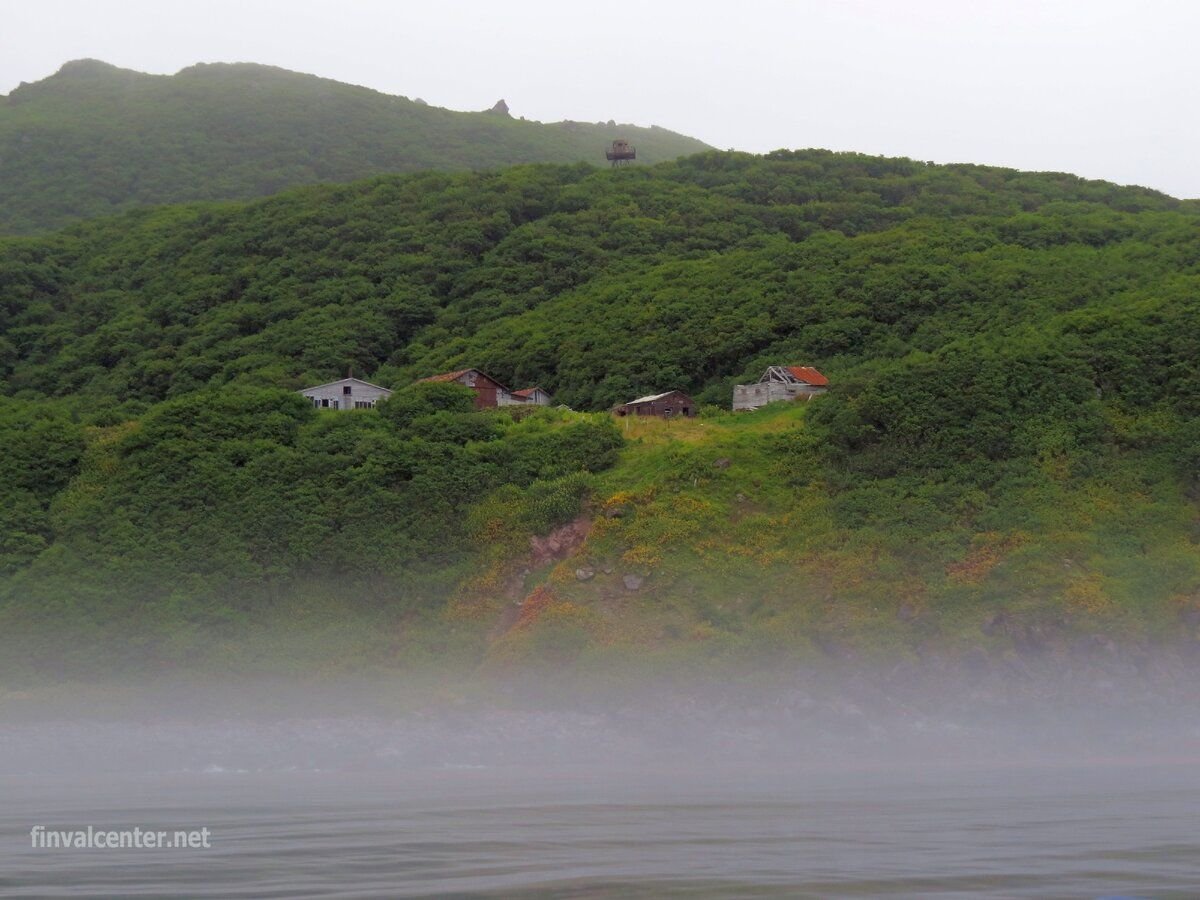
(346,390)
(325,402)
(363,404)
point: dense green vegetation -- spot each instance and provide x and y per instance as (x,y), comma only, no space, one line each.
(223,506)
(94,139)
(1010,448)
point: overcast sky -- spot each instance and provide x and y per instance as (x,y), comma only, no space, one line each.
(1101,88)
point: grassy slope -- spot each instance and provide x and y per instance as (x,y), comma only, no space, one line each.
(746,561)
(94,139)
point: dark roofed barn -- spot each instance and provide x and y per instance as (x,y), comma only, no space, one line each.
(666,406)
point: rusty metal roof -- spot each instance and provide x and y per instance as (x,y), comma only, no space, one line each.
(450,376)
(808,375)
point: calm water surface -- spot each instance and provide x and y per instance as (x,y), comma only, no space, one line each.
(1100,830)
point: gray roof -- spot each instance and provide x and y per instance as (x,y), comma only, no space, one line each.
(650,398)
(344,381)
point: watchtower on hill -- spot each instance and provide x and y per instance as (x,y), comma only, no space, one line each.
(620,153)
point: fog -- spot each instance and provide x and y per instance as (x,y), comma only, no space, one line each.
(1101,89)
(825,716)
(833,781)
(1051,775)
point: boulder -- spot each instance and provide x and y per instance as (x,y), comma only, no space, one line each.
(559,543)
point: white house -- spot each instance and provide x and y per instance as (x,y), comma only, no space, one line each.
(348,393)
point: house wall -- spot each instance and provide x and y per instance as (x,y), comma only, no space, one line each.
(537,398)
(753,396)
(331,394)
(488,393)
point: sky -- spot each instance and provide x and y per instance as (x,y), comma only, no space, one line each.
(1102,89)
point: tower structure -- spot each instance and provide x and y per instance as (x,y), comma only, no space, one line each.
(620,153)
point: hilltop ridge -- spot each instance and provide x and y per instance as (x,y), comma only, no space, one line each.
(93,139)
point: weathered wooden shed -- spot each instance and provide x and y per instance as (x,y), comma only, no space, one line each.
(666,406)
(780,383)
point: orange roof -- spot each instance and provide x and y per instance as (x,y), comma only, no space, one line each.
(526,392)
(447,376)
(808,375)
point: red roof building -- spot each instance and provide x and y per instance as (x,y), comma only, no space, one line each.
(780,383)
(534,395)
(807,375)
(489,393)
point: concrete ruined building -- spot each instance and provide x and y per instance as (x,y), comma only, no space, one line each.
(780,383)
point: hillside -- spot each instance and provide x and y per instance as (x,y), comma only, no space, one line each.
(94,139)
(1005,468)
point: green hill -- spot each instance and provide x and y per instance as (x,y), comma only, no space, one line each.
(94,139)
(1006,464)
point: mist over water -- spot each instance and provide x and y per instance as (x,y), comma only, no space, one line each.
(1036,832)
(850,784)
